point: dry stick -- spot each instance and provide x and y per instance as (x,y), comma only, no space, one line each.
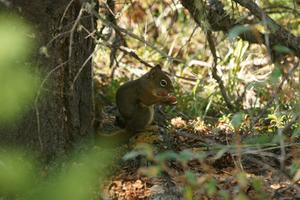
(56,37)
(281,9)
(71,44)
(279,88)
(224,23)
(72,35)
(37,113)
(134,55)
(118,39)
(80,70)
(249,150)
(86,61)
(215,71)
(134,36)
(65,11)
(189,39)
(282,150)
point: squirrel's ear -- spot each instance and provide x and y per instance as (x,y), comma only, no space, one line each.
(157,67)
(154,70)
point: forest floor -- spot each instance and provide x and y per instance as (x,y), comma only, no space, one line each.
(206,157)
(202,162)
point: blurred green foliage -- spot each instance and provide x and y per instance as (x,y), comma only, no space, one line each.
(16,172)
(18,84)
(79,178)
(21,177)
(17,90)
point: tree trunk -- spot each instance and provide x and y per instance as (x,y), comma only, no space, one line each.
(63,112)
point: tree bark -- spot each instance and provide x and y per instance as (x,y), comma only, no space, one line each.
(63,113)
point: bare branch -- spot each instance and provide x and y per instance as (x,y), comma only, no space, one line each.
(215,71)
(134,36)
(282,35)
(65,12)
(80,70)
(72,32)
(220,20)
(132,53)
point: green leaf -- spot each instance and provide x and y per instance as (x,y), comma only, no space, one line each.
(140,150)
(237,120)
(191,177)
(242,179)
(257,184)
(185,155)
(241,196)
(259,139)
(282,49)
(294,168)
(236,31)
(224,194)
(275,75)
(296,132)
(188,193)
(132,155)
(167,155)
(211,187)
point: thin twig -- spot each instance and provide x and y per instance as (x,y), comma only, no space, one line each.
(56,37)
(280,9)
(72,33)
(282,150)
(134,36)
(65,12)
(215,71)
(132,53)
(189,39)
(282,34)
(80,70)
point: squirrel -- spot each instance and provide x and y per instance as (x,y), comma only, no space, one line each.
(136,99)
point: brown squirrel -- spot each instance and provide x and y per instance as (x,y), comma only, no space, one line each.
(136,99)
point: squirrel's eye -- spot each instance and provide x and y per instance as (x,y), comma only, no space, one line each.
(163,83)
